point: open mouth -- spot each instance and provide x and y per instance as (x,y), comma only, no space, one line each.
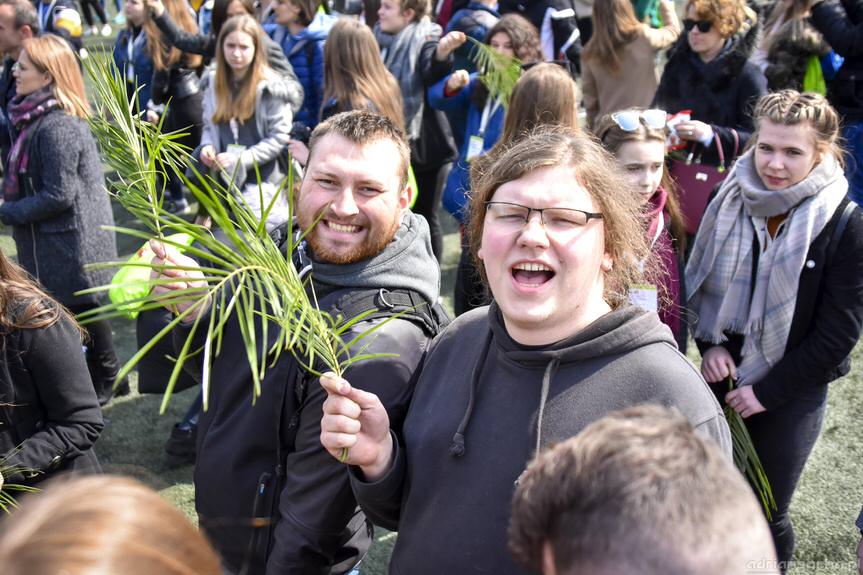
(342,228)
(531,274)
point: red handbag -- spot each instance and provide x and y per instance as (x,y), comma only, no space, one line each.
(696,181)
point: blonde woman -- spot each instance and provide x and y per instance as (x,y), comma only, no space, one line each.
(54,194)
(247,118)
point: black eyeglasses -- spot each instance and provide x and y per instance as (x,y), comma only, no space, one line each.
(703,26)
(515,216)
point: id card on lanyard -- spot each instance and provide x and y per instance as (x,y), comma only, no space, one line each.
(476,143)
(235,148)
(646,295)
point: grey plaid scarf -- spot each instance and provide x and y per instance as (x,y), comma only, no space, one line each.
(401,57)
(719,272)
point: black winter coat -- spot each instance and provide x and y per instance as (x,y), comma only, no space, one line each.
(293,513)
(789,54)
(63,205)
(827,322)
(48,406)
(721,93)
(844,33)
(435,146)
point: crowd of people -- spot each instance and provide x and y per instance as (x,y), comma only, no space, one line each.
(626,177)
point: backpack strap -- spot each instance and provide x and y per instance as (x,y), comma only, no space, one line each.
(384,303)
(838,231)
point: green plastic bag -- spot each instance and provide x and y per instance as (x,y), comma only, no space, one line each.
(813,81)
(131,283)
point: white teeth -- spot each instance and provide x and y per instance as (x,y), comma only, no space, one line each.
(344,229)
(532,267)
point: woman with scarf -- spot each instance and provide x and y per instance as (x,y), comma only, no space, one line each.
(414,52)
(54,192)
(637,137)
(558,236)
(776,282)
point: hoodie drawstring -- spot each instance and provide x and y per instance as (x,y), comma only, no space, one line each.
(457,447)
(550,370)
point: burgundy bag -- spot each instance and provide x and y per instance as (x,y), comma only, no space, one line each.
(696,181)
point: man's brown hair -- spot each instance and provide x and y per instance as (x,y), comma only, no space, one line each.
(638,492)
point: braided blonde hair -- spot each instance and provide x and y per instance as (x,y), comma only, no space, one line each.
(790,107)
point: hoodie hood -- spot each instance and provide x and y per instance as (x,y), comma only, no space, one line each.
(615,334)
(319,28)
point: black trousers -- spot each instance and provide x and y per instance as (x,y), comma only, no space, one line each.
(101,357)
(183,114)
(87,7)
(430,182)
(783,439)
(470,291)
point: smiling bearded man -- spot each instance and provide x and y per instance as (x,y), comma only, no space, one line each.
(267,494)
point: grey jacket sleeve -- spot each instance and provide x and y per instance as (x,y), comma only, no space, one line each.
(209,132)
(60,186)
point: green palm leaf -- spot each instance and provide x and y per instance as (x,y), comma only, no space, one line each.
(498,72)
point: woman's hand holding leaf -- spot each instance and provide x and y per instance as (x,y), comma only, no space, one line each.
(718,365)
(744,402)
(183,280)
(208,156)
(355,428)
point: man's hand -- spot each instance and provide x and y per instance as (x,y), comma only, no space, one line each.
(457,80)
(744,402)
(183,279)
(355,428)
(718,365)
(448,44)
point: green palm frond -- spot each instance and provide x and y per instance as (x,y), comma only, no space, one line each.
(746,458)
(250,279)
(497,71)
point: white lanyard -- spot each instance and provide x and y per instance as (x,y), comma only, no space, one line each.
(487,112)
(235,129)
(130,56)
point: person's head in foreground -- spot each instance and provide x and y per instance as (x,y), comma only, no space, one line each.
(557,233)
(638,492)
(356,182)
(102,525)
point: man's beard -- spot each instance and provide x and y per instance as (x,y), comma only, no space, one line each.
(377,239)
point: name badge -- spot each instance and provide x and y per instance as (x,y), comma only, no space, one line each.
(474,147)
(644,296)
(236,149)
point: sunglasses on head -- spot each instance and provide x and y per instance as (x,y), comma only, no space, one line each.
(703,26)
(630,120)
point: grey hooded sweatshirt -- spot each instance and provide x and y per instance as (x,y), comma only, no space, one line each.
(482,405)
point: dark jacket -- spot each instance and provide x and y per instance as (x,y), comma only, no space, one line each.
(267,494)
(828,319)
(141,65)
(305,52)
(205,45)
(47,404)
(58,219)
(721,93)
(8,91)
(506,399)
(789,54)
(844,33)
(435,146)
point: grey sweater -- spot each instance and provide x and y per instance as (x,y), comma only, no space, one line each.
(451,512)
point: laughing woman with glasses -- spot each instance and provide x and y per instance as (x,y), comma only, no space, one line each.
(554,230)
(709,73)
